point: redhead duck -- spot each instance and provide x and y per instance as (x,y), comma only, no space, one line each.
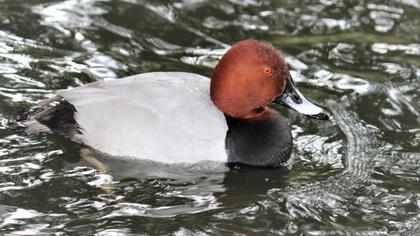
(176,117)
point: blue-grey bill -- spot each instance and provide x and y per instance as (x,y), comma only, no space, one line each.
(294,99)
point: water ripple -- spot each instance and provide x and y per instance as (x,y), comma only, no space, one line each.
(356,174)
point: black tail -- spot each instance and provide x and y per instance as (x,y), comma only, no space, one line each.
(55,119)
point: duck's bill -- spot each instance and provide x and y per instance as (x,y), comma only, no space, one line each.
(294,99)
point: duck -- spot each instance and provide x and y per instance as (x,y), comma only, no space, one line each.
(181,117)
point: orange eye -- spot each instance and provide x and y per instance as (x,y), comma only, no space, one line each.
(268,70)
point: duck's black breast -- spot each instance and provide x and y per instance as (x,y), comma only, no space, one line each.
(265,141)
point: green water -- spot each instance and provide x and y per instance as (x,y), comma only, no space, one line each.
(355,174)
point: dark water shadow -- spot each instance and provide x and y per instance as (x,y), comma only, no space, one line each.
(245,184)
(231,185)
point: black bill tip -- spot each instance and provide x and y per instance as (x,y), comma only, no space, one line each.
(320,116)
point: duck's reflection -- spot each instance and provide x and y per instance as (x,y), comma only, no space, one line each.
(244,185)
(230,185)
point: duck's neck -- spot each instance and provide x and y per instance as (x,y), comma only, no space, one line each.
(264,140)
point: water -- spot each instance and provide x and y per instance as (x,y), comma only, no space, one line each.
(356,174)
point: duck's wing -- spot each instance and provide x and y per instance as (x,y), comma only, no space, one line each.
(162,116)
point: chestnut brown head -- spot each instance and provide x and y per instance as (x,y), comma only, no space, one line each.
(251,75)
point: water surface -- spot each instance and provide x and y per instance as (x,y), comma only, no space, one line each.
(356,174)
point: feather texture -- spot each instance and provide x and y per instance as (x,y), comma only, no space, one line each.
(162,116)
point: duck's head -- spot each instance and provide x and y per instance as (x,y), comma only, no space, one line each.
(252,75)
